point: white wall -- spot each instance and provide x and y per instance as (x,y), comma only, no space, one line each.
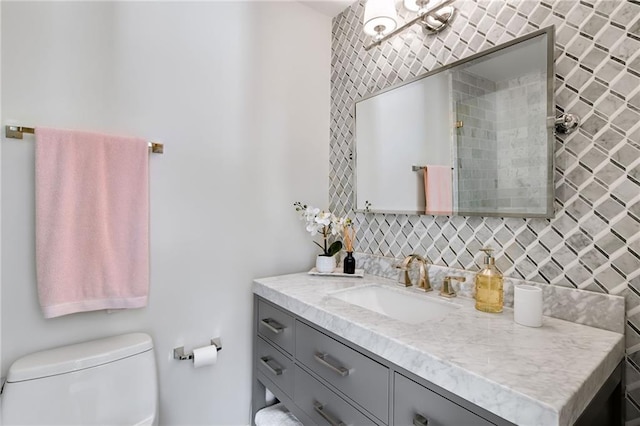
(0,202)
(239,95)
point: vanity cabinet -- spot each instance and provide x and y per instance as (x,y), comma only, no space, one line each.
(275,365)
(325,380)
(276,326)
(414,404)
(307,352)
(357,376)
(323,405)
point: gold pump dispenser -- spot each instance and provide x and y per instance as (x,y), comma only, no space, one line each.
(489,285)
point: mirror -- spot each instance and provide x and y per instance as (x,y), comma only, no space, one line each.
(473,138)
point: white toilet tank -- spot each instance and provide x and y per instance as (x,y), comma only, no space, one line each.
(110,381)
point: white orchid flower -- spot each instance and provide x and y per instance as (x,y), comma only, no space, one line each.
(322,222)
(311,212)
(323,218)
(312,229)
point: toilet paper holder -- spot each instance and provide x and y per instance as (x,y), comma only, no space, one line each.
(178,353)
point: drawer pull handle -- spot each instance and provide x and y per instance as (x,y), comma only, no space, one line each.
(273,325)
(420,420)
(272,365)
(324,360)
(319,408)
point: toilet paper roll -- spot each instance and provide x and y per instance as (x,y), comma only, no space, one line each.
(207,355)
(527,305)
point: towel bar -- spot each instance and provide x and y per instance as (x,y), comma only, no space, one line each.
(17,132)
(418,168)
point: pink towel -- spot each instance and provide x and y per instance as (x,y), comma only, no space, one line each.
(438,189)
(92,228)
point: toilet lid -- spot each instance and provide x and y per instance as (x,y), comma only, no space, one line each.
(76,357)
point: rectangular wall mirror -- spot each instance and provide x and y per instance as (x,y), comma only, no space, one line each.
(473,138)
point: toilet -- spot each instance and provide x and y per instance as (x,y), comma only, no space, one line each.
(110,381)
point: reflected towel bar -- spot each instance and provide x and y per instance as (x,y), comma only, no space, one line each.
(16,132)
(418,168)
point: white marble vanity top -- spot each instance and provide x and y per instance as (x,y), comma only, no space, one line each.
(529,376)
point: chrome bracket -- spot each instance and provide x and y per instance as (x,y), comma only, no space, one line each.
(16,132)
(437,21)
(567,123)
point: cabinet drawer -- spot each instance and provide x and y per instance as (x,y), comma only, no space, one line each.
(357,376)
(322,405)
(416,405)
(275,326)
(276,366)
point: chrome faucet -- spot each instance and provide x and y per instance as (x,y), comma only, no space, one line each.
(423,279)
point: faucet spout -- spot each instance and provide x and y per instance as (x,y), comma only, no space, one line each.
(404,277)
(423,277)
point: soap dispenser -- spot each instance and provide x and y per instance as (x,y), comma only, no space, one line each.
(489,285)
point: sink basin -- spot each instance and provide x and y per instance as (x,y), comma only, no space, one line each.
(409,307)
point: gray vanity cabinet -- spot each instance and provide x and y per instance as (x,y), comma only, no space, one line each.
(324,406)
(325,380)
(275,365)
(414,404)
(276,326)
(352,373)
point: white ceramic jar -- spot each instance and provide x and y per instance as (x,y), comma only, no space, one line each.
(325,264)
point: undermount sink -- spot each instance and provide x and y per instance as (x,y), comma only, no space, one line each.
(409,307)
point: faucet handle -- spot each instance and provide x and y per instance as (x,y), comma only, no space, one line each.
(447,289)
(403,277)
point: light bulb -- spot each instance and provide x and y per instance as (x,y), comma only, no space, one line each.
(416,5)
(380,18)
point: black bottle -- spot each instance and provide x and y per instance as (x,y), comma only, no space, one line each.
(349,263)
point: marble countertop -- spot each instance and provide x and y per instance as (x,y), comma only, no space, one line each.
(529,376)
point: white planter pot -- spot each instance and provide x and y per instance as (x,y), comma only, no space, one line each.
(325,263)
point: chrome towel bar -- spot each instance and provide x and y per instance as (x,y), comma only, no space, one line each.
(17,132)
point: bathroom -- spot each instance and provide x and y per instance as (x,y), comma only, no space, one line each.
(253,112)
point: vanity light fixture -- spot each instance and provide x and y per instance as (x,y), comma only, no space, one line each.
(380,17)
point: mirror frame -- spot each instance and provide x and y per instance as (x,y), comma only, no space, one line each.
(550,207)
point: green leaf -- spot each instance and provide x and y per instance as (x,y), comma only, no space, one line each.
(334,248)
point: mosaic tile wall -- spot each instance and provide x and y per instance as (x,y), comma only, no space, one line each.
(593,242)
